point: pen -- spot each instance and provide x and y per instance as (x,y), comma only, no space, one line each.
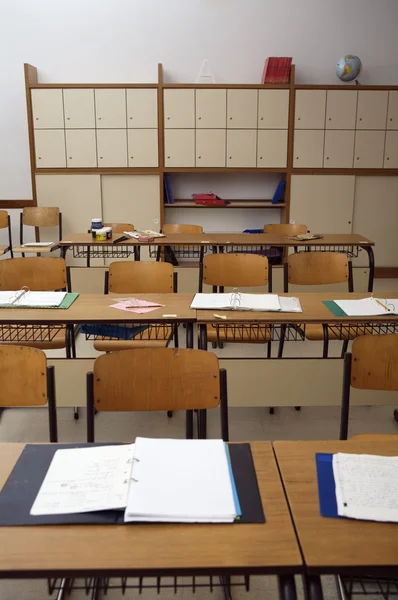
(219,316)
(381,304)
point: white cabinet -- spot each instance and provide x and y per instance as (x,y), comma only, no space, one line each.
(143,147)
(272,148)
(391,150)
(179,147)
(242,109)
(50,148)
(112,147)
(310,109)
(273,109)
(110,108)
(341,109)
(142,108)
(79,108)
(308,148)
(372,109)
(369,149)
(392,114)
(210,147)
(241,148)
(179,108)
(81,148)
(211,109)
(47,108)
(339,149)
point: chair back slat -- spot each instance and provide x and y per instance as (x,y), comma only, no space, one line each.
(285,228)
(135,277)
(37,273)
(170,228)
(23,376)
(235,270)
(375,362)
(41,216)
(317,268)
(3,219)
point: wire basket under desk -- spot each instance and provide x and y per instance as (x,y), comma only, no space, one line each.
(383,588)
(103,251)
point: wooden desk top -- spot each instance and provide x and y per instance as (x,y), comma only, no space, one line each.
(71,550)
(314,311)
(334,545)
(95,308)
(223,239)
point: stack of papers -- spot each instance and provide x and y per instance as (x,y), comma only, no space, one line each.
(143,233)
(368,307)
(38,244)
(136,305)
(152,480)
(240,301)
(24,298)
(366,486)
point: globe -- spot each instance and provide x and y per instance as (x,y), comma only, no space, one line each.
(348,67)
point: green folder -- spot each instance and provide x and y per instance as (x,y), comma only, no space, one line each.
(334,308)
(66,303)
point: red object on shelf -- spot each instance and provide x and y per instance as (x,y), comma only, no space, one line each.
(208,200)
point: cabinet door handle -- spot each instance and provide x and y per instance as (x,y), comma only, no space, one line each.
(261,118)
(360,118)
(99,118)
(230,118)
(131,118)
(131,156)
(68,118)
(357,157)
(390,118)
(229,156)
(168,157)
(199,118)
(298,118)
(349,222)
(330,118)
(39,157)
(101,157)
(297,157)
(168,118)
(261,158)
(327,158)
(37,118)
(70,158)
(388,158)
(199,157)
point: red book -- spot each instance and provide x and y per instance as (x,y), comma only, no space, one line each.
(271,70)
(265,70)
(288,64)
(280,70)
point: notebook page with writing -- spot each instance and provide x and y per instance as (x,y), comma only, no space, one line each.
(366,486)
(180,481)
(84,480)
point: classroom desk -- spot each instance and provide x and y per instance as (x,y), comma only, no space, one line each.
(159,549)
(95,308)
(249,323)
(84,246)
(339,546)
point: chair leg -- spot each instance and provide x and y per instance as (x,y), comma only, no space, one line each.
(344,348)
(281,341)
(271,410)
(298,408)
(76,412)
(175,335)
(170,413)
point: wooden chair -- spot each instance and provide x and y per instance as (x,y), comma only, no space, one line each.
(171,253)
(27,381)
(319,268)
(285,228)
(132,277)
(164,379)
(372,364)
(237,270)
(120,227)
(38,217)
(5,223)
(38,274)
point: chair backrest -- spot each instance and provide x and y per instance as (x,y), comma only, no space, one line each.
(285,228)
(235,270)
(317,268)
(135,277)
(181,228)
(3,219)
(38,274)
(41,216)
(120,227)
(375,362)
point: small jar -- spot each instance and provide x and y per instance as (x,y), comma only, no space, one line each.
(95,225)
(108,232)
(100,235)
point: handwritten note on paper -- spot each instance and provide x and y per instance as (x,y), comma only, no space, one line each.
(366,486)
(85,480)
(137,306)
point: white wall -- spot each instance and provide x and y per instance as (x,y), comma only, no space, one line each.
(123,40)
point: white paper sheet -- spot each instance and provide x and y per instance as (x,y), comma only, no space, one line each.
(236,301)
(368,307)
(31,299)
(290,304)
(366,486)
(85,479)
(38,244)
(180,481)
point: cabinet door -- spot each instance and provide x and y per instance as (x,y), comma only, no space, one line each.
(341,109)
(142,108)
(211,109)
(143,147)
(323,202)
(272,148)
(210,147)
(241,148)
(310,109)
(273,109)
(81,150)
(308,148)
(47,108)
(179,109)
(339,149)
(369,149)
(392,115)
(242,109)
(112,148)
(110,108)
(79,108)
(372,109)
(179,147)
(391,150)
(50,148)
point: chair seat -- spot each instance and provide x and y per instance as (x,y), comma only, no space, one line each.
(153,337)
(10,335)
(239,334)
(349,332)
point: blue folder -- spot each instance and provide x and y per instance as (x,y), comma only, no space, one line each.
(326,485)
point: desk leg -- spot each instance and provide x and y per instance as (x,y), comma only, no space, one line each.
(64,250)
(189,334)
(371,257)
(286,587)
(201,254)
(325,340)
(312,587)
(88,256)
(137,253)
(202,423)
(202,337)
(189,424)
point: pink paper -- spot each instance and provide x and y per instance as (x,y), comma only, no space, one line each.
(137,306)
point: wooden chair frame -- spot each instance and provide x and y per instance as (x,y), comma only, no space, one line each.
(5,222)
(170,252)
(27,217)
(106,387)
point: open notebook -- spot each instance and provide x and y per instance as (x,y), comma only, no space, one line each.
(368,307)
(24,298)
(240,301)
